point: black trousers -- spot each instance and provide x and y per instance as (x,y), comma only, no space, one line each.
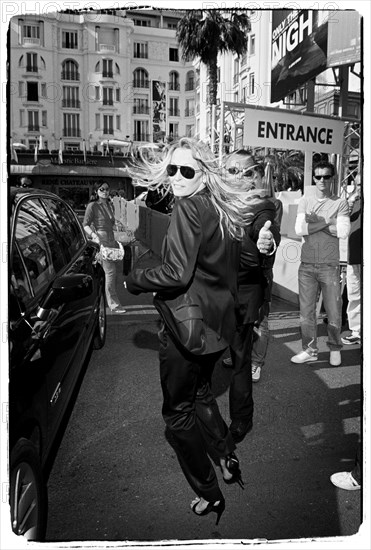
(241,404)
(192,415)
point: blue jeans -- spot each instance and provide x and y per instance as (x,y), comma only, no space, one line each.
(312,279)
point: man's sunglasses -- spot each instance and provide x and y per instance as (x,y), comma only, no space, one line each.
(246,173)
(187,171)
(325,177)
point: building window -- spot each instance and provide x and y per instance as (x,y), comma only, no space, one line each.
(189,130)
(174,106)
(190,107)
(31,31)
(71,97)
(97,121)
(69,40)
(108,124)
(141,106)
(141,79)
(71,125)
(31,66)
(118,94)
(70,70)
(174,81)
(44,122)
(118,122)
(107,96)
(32,91)
(251,84)
(190,81)
(173,54)
(252,44)
(33,121)
(142,22)
(107,68)
(141,130)
(141,50)
(174,129)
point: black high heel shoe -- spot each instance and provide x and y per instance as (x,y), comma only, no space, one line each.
(233,466)
(211,507)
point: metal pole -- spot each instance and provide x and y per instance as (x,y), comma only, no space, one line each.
(221,130)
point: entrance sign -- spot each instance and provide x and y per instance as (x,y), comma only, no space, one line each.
(289,130)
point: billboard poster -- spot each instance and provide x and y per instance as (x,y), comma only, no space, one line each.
(292,130)
(299,50)
(344,38)
(158,110)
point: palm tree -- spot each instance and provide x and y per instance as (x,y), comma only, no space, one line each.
(206,33)
(288,169)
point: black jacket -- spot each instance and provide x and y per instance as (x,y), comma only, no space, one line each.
(255,269)
(196,261)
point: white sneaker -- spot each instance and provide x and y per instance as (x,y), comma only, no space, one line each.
(304,357)
(255,373)
(345,480)
(335,358)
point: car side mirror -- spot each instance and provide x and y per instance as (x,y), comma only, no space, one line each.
(65,289)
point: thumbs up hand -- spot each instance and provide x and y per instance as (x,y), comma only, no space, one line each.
(265,240)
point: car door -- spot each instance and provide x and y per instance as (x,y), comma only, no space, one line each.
(57,337)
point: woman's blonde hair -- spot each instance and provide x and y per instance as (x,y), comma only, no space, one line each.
(230,200)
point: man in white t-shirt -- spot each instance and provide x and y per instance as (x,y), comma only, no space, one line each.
(322,220)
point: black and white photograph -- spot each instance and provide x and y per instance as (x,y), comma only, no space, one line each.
(185,267)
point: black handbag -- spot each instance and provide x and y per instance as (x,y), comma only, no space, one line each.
(184,321)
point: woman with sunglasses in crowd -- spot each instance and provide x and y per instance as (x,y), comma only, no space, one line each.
(200,258)
(99,221)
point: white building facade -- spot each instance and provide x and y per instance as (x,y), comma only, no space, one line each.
(93,76)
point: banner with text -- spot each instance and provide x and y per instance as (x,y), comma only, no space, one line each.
(288,130)
(299,50)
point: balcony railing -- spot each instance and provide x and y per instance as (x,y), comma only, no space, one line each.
(174,112)
(71,132)
(174,86)
(141,137)
(29,40)
(141,83)
(32,68)
(73,103)
(108,131)
(34,128)
(107,74)
(107,48)
(140,55)
(140,110)
(107,101)
(190,86)
(190,112)
(70,75)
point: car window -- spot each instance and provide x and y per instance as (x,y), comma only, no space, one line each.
(37,243)
(19,280)
(69,230)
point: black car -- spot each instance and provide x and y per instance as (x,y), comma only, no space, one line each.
(57,314)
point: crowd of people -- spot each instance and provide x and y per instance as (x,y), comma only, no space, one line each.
(213,291)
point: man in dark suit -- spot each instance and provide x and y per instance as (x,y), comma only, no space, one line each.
(252,288)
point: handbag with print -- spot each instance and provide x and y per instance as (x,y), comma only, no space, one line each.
(112,254)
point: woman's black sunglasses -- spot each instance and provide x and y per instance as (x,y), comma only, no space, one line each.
(187,171)
(325,177)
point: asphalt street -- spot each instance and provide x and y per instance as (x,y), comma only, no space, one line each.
(116,477)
